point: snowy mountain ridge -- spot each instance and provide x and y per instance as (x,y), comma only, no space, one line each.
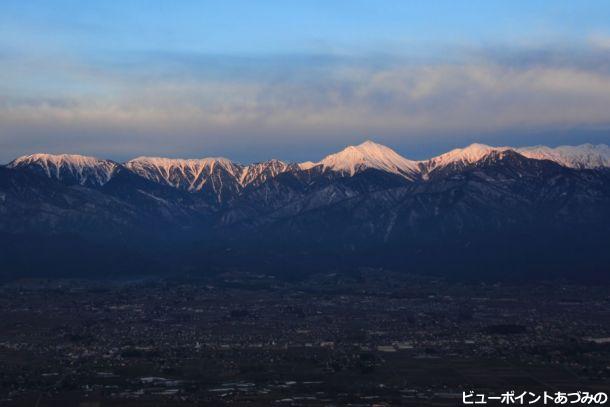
(218,173)
(464,156)
(584,156)
(188,174)
(193,174)
(69,168)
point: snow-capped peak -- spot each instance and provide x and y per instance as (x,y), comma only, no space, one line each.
(466,155)
(354,159)
(587,156)
(69,168)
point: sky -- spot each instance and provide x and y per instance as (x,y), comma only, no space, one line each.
(299,79)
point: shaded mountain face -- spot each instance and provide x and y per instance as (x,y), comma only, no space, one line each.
(124,207)
(485,211)
(502,195)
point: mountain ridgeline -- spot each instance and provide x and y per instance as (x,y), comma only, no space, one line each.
(477,212)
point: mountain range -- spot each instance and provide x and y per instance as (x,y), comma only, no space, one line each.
(476,211)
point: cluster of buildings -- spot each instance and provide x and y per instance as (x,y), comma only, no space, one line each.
(370,337)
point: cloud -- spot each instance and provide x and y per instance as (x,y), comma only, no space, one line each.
(155,100)
(600,41)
